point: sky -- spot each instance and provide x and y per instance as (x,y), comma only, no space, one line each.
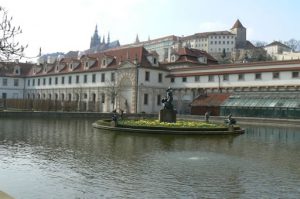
(66,25)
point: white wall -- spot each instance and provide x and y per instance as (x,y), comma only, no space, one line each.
(12,91)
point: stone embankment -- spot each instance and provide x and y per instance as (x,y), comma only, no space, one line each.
(240,120)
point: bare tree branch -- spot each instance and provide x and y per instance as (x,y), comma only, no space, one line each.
(9,48)
(293,44)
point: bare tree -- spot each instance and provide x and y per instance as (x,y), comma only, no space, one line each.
(293,44)
(259,43)
(9,48)
(112,89)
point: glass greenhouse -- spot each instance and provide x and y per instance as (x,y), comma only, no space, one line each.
(263,104)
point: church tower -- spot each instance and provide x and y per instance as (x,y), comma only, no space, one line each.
(137,40)
(95,40)
(241,32)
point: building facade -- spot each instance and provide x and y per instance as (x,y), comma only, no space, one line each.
(279,51)
(132,79)
(227,46)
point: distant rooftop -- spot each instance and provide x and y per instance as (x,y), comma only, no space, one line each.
(237,24)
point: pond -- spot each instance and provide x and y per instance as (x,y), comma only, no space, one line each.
(67,158)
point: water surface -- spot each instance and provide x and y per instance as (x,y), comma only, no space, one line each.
(67,158)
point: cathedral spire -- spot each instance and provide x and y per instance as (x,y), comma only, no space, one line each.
(103,39)
(95,40)
(108,38)
(96,29)
(137,40)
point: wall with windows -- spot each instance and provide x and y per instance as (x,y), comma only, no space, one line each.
(11,87)
(187,82)
(214,43)
(284,78)
(217,43)
(152,88)
(69,80)
(88,88)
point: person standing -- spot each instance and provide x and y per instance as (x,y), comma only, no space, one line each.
(206,115)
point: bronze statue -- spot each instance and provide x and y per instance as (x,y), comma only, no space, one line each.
(167,101)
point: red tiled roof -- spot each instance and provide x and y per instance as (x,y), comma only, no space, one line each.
(242,65)
(118,55)
(6,68)
(195,53)
(212,99)
(201,70)
(222,72)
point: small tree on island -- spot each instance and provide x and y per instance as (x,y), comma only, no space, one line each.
(113,89)
(9,49)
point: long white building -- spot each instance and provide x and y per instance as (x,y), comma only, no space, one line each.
(132,79)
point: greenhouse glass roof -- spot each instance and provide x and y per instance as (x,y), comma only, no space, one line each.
(264,99)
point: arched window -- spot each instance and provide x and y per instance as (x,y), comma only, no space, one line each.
(77,97)
(94,97)
(103,98)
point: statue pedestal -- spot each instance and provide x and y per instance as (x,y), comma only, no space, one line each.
(167,115)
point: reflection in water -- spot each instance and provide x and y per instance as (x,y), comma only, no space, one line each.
(69,159)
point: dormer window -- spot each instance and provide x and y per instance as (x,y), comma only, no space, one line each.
(202,60)
(154,60)
(71,66)
(104,62)
(173,58)
(86,64)
(17,71)
(57,69)
(34,71)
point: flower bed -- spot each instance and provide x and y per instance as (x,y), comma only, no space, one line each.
(155,124)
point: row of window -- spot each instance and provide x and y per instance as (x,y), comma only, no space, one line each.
(43,81)
(146,99)
(221,42)
(39,81)
(5,82)
(220,37)
(257,76)
(69,79)
(56,96)
(220,49)
(215,37)
(159,78)
(198,45)
(62,97)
